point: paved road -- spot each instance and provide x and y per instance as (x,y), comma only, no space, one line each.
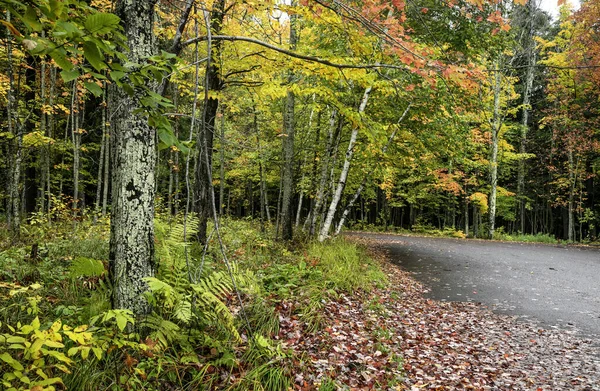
(553,285)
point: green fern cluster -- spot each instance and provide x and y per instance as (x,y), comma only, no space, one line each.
(189,293)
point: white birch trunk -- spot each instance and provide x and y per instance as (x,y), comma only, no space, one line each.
(337,195)
(358,192)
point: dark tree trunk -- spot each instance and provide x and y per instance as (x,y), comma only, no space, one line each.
(205,136)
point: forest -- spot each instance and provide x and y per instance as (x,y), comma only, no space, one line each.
(175,160)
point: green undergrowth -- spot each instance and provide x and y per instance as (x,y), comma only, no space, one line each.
(449,232)
(527,238)
(215,318)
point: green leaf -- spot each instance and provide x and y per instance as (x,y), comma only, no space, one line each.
(31,19)
(93,88)
(121,322)
(68,76)
(117,75)
(102,23)
(7,358)
(61,59)
(93,55)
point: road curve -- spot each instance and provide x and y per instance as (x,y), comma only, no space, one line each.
(556,286)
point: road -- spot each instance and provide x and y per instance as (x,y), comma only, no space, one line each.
(555,286)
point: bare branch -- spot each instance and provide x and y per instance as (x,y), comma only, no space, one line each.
(293,54)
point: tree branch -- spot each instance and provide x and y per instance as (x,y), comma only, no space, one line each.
(293,54)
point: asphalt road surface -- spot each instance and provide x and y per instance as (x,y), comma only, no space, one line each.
(555,286)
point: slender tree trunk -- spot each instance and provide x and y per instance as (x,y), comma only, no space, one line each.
(337,195)
(76,139)
(222,166)
(531,61)
(313,177)
(342,221)
(264,197)
(466,213)
(134,162)
(44,157)
(288,147)
(50,135)
(103,152)
(320,197)
(207,129)
(16,146)
(571,206)
(495,127)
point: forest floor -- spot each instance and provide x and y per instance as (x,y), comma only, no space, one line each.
(396,332)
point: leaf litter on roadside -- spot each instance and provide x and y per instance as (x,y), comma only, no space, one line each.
(394,338)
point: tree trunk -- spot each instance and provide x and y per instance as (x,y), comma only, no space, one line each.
(288,147)
(106,163)
(103,152)
(571,206)
(222,166)
(205,136)
(337,195)
(134,162)
(495,127)
(16,145)
(320,197)
(76,140)
(342,221)
(531,60)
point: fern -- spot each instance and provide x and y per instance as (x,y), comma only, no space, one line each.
(201,303)
(163,331)
(87,267)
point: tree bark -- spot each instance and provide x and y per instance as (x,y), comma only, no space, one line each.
(288,147)
(320,197)
(531,60)
(495,127)
(16,145)
(337,195)
(205,137)
(340,224)
(103,152)
(134,162)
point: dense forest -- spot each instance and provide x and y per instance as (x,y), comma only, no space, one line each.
(470,118)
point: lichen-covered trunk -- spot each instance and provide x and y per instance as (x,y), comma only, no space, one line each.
(341,183)
(134,162)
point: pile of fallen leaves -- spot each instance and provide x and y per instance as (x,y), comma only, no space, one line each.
(394,338)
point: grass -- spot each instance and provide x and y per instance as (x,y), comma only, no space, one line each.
(527,238)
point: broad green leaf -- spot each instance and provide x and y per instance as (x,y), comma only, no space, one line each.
(7,358)
(117,75)
(68,76)
(61,59)
(102,23)
(93,88)
(93,55)
(31,19)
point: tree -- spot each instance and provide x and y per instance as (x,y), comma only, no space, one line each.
(134,161)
